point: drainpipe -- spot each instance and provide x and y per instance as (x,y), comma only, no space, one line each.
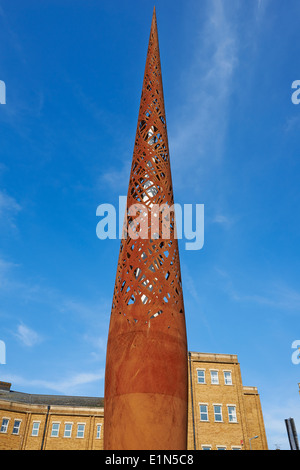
(192,402)
(45,427)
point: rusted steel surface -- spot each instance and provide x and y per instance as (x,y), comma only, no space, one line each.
(146,362)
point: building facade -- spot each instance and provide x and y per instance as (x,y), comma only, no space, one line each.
(49,422)
(223,414)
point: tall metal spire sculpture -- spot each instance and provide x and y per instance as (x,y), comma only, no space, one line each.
(145,398)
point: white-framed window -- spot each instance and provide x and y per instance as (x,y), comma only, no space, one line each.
(35,428)
(232,413)
(206,447)
(98,431)
(203,412)
(55,429)
(4,425)
(221,447)
(201,376)
(17,425)
(68,430)
(236,448)
(218,413)
(214,377)
(227,377)
(80,430)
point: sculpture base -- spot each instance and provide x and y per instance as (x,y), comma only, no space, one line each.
(145,421)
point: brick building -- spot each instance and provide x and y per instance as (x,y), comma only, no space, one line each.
(223,414)
(52,422)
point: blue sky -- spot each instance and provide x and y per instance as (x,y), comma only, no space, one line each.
(73,72)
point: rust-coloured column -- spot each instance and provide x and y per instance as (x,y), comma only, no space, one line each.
(146,363)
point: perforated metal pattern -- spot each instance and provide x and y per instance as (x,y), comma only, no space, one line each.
(148,272)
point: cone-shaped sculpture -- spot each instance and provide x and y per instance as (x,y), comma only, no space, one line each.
(146,363)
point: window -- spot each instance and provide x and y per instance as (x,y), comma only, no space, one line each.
(80,430)
(16,428)
(214,376)
(4,425)
(232,413)
(201,376)
(98,434)
(68,430)
(236,448)
(35,428)
(221,447)
(203,413)
(218,413)
(55,429)
(227,377)
(205,447)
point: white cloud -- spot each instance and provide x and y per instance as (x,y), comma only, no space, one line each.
(5,268)
(223,220)
(90,311)
(99,345)
(116,178)
(275,294)
(27,335)
(68,385)
(9,208)
(278,296)
(261,8)
(8,204)
(292,124)
(198,132)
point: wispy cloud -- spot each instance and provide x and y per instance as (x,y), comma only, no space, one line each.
(223,220)
(9,208)
(278,295)
(5,268)
(98,343)
(27,336)
(292,124)
(200,129)
(38,292)
(69,385)
(116,179)
(261,7)
(88,310)
(275,294)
